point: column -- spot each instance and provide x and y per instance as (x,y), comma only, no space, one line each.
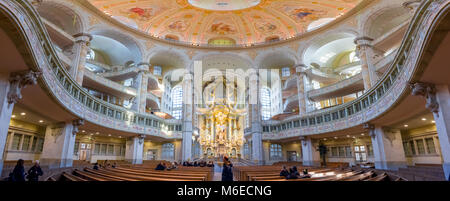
(255,111)
(81,49)
(301,89)
(311,157)
(365,52)
(134,150)
(59,144)
(141,85)
(438,101)
(387,147)
(188,108)
(11,86)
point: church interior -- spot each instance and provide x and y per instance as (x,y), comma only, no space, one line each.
(109,90)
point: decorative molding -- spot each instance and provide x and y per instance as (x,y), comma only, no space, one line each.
(19,81)
(428,91)
(370,128)
(76,124)
(141,139)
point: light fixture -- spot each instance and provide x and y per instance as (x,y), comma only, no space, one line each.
(41,121)
(362,134)
(109,135)
(348,135)
(97,133)
(406,126)
(335,137)
(23,113)
(423,119)
(13,116)
(433,121)
(83,131)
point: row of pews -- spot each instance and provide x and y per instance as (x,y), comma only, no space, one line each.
(272,173)
(139,173)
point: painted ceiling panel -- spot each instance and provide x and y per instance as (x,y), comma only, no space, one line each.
(244,21)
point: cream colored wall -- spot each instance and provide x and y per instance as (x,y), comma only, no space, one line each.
(21,127)
(285,147)
(348,142)
(101,140)
(420,133)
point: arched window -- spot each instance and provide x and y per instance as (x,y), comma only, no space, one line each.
(90,55)
(222,41)
(276,152)
(272,39)
(266,106)
(177,102)
(168,151)
(285,72)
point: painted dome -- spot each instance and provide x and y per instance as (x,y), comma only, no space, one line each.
(225,22)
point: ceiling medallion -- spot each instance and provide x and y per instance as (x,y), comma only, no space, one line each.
(224,5)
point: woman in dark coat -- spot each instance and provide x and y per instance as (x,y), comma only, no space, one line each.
(18,173)
(227,172)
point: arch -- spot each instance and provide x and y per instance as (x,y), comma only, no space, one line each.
(120,48)
(277,58)
(63,15)
(384,18)
(323,48)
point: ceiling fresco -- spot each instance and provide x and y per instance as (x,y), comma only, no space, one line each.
(243,21)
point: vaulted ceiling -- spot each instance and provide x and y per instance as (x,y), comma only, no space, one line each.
(243,21)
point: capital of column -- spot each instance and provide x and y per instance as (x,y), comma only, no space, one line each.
(412,5)
(370,128)
(300,69)
(428,91)
(76,124)
(141,139)
(303,140)
(18,81)
(144,67)
(83,38)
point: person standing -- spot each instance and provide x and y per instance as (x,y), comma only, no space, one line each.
(18,173)
(227,171)
(35,172)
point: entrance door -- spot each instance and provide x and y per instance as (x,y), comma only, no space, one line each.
(292,156)
(360,154)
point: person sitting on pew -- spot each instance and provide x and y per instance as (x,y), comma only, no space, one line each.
(106,164)
(160,166)
(284,172)
(293,173)
(34,172)
(210,164)
(172,166)
(95,166)
(305,174)
(114,165)
(195,164)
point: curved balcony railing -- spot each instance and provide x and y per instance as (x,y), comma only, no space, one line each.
(126,91)
(316,93)
(68,92)
(293,99)
(380,98)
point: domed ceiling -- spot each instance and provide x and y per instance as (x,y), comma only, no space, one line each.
(242,22)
